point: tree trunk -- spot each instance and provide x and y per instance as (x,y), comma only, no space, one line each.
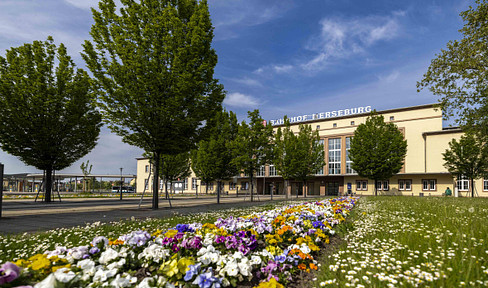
(206,188)
(49,184)
(285,184)
(252,186)
(218,192)
(472,188)
(165,183)
(304,189)
(155,199)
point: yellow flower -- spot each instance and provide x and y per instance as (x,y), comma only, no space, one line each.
(170,268)
(157,233)
(271,249)
(183,264)
(170,233)
(62,266)
(22,263)
(270,284)
(40,262)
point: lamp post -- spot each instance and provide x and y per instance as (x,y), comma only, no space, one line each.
(121,183)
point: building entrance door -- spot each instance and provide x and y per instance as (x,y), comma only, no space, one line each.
(333,188)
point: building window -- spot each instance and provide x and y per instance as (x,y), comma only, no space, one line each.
(232,186)
(146,184)
(335,156)
(362,185)
(193,183)
(272,170)
(405,185)
(244,185)
(383,185)
(210,186)
(186,184)
(147,168)
(463,183)
(261,171)
(318,127)
(334,125)
(349,169)
(429,185)
(352,123)
(161,184)
(392,118)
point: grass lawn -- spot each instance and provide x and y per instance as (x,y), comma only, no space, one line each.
(411,242)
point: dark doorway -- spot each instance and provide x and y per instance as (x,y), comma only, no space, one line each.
(332,188)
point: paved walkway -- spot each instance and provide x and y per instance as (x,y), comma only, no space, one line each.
(19,216)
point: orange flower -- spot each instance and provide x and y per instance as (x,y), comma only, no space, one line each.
(302,267)
(116,242)
(313,266)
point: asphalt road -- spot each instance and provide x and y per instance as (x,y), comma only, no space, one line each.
(19,216)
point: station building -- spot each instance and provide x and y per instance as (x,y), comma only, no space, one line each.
(423,173)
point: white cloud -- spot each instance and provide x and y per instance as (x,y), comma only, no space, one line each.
(342,38)
(247,81)
(278,69)
(282,68)
(237,99)
(83,4)
(389,78)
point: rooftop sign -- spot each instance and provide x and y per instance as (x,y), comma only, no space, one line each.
(323,115)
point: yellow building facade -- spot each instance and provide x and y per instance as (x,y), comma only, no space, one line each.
(423,172)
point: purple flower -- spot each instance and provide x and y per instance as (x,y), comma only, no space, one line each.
(94,250)
(206,280)
(99,240)
(280,258)
(184,228)
(194,270)
(9,272)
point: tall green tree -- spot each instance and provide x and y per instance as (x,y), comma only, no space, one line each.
(467,157)
(284,154)
(154,66)
(48,117)
(378,149)
(310,154)
(86,169)
(252,146)
(458,74)
(174,167)
(212,159)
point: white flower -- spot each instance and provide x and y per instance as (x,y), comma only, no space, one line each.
(255,260)
(120,281)
(108,255)
(231,268)
(146,283)
(102,275)
(64,275)
(87,265)
(116,264)
(48,282)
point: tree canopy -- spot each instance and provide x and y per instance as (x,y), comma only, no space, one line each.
(284,153)
(48,117)
(458,74)
(310,153)
(377,149)
(154,65)
(467,157)
(175,167)
(212,159)
(252,147)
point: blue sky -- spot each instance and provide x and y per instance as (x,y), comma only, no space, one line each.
(286,57)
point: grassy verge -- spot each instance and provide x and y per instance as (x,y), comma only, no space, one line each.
(411,242)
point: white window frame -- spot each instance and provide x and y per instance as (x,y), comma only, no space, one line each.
(405,185)
(463,183)
(272,171)
(361,185)
(429,184)
(146,184)
(261,172)
(334,156)
(349,169)
(244,185)
(194,182)
(485,185)
(383,185)
(147,168)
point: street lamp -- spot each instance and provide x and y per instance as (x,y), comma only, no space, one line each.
(121,183)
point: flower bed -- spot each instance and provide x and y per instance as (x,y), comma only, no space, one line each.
(265,248)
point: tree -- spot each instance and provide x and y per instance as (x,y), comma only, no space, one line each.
(174,167)
(212,159)
(310,154)
(458,74)
(48,117)
(377,149)
(86,169)
(284,153)
(467,157)
(252,146)
(154,66)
